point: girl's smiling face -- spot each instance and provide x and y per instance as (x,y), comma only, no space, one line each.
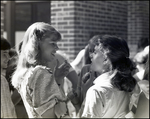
(48,48)
(4,58)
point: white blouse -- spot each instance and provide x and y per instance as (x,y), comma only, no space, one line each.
(104,101)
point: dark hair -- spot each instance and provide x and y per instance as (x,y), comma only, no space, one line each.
(116,52)
(90,48)
(5,45)
(12,52)
(142,43)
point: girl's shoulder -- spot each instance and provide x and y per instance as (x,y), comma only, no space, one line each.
(103,83)
(105,77)
(38,73)
(41,68)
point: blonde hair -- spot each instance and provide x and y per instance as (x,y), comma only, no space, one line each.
(29,55)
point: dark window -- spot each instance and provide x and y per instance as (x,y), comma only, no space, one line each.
(22,16)
(27,13)
(43,12)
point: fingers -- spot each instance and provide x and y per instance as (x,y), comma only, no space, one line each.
(65,65)
(86,77)
(62,70)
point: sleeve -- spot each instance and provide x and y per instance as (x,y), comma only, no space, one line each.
(43,90)
(93,105)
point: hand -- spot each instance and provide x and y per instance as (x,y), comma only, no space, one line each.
(90,79)
(73,96)
(62,70)
(60,109)
(86,77)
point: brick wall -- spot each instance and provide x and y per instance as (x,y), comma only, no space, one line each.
(138,23)
(78,21)
(99,17)
(2,18)
(62,18)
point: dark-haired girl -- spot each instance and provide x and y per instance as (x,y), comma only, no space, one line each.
(109,97)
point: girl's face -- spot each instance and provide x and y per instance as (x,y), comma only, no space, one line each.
(91,49)
(97,61)
(4,58)
(48,48)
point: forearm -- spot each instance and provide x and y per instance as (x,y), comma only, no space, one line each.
(73,77)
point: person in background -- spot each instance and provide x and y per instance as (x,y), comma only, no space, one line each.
(140,60)
(142,43)
(7,106)
(86,73)
(38,85)
(78,62)
(109,97)
(84,56)
(11,67)
(16,98)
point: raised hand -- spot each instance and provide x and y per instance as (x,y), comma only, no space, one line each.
(62,70)
(86,77)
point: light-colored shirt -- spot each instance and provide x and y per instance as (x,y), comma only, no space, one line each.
(40,92)
(104,101)
(7,106)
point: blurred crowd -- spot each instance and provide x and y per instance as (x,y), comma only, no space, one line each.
(103,81)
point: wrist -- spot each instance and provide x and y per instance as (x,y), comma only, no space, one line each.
(73,97)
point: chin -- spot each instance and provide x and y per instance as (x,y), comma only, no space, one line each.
(52,58)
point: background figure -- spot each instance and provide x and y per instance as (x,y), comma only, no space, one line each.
(37,84)
(142,110)
(84,56)
(16,98)
(12,63)
(109,97)
(7,106)
(78,62)
(142,43)
(87,76)
(140,60)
